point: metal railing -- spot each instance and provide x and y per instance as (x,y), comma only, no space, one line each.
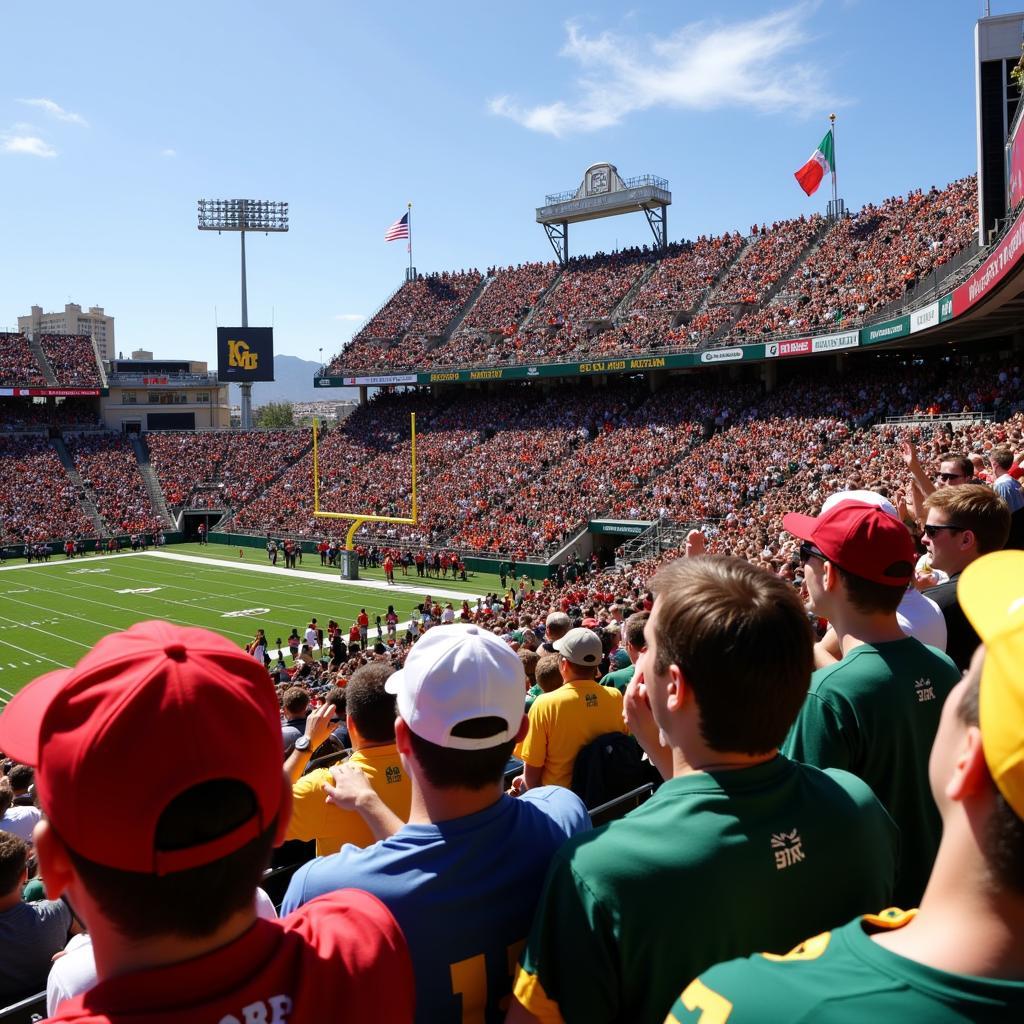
(638,181)
(162,380)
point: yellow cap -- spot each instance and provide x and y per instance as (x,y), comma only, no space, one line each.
(991,593)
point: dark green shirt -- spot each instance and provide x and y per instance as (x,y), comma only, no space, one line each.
(714,865)
(875,713)
(845,978)
(620,678)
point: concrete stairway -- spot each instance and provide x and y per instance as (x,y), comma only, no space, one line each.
(44,363)
(150,481)
(85,499)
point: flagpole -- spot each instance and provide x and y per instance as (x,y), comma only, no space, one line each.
(835,187)
(409,214)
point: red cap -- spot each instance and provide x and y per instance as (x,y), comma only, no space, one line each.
(144,716)
(860,538)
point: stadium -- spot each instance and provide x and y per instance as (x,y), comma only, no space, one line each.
(544,441)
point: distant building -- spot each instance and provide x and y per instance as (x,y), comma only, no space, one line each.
(164,394)
(93,323)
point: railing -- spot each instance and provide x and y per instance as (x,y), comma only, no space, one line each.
(162,380)
(639,181)
(926,418)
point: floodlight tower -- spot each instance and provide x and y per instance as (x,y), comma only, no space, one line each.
(243,215)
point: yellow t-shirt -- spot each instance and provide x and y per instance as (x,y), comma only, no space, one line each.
(314,818)
(563,721)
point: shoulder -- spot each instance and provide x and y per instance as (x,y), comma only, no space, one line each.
(344,919)
(560,805)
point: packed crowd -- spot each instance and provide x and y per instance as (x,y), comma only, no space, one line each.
(18,366)
(110,471)
(869,260)
(718,290)
(72,358)
(39,502)
(214,469)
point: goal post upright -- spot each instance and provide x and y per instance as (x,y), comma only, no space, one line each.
(358,518)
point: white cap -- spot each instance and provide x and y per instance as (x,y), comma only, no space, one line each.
(455,673)
(581,646)
(867,497)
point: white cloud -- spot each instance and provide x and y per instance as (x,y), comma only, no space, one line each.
(702,66)
(27,145)
(55,110)
(169,153)
(353,317)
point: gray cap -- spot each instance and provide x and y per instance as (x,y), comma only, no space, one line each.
(581,646)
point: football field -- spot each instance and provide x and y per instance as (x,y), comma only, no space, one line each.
(52,613)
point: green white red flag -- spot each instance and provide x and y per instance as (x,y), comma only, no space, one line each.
(822,162)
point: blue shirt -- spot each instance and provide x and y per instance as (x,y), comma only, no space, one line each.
(463,891)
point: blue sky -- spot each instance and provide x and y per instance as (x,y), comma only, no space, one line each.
(116,117)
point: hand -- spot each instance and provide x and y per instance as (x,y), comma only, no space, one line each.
(319,725)
(518,786)
(908,453)
(696,544)
(924,580)
(637,714)
(349,787)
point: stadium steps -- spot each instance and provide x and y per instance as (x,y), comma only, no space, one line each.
(150,481)
(474,298)
(805,253)
(538,305)
(621,310)
(44,363)
(84,497)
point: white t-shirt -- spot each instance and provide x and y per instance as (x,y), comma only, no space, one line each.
(920,617)
(311,637)
(20,821)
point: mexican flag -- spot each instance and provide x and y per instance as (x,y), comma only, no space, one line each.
(822,162)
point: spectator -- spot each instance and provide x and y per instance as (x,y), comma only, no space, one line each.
(548,676)
(635,644)
(18,820)
(167,891)
(1002,461)
(30,933)
(295,704)
(912,966)
(875,712)
(464,875)
(567,719)
(963,523)
(370,718)
(726,668)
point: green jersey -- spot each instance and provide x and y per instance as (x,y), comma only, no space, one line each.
(875,713)
(714,865)
(843,977)
(532,694)
(619,679)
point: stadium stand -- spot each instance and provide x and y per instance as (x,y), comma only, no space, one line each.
(18,366)
(72,358)
(39,502)
(792,275)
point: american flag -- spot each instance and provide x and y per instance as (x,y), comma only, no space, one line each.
(400,229)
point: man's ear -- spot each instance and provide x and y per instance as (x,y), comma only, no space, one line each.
(54,863)
(968,540)
(402,737)
(676,692)
(970,775)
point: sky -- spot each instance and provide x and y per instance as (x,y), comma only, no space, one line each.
(116,117)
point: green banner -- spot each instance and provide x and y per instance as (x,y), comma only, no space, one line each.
(890,330)
(946,308)
(624,527)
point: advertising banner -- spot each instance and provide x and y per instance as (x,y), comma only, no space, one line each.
(722,355)
(925,317)
(889,330)
(45,392)
(1015,167)
(946,308)
(992,271)
(795,347)
(245,354)
(835,342)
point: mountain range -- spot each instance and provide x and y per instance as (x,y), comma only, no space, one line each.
(293,382)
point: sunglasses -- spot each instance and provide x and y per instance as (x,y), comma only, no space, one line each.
(932,530)
(946,477)
(809,551)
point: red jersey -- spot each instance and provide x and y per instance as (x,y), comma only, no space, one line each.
(340,950)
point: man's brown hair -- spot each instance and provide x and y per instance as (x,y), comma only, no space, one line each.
(977,508)
(548,675)
(13,858)
(743,643)
(633,633)
(1002,457)
(295,700)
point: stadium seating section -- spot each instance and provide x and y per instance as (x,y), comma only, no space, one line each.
(792,276)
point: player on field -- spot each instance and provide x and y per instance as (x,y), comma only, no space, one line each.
(960,957)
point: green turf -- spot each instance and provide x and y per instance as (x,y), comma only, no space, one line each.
(51,614)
